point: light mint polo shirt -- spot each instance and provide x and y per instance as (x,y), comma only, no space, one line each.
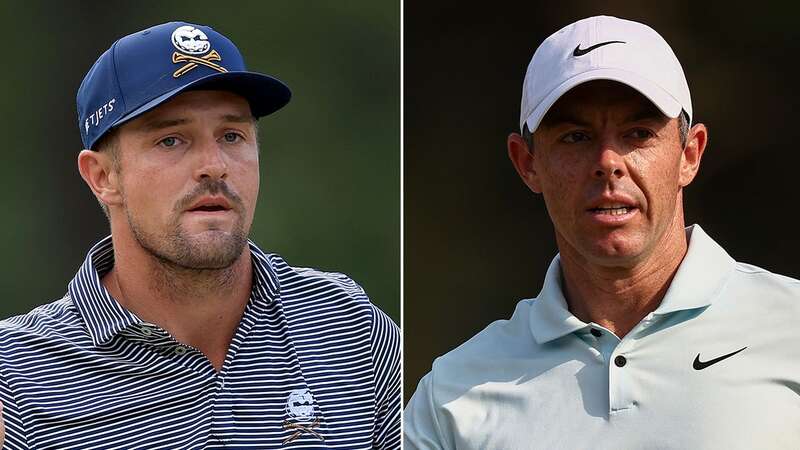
(715,366)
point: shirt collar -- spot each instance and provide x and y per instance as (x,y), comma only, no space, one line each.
(105,317)
(698,280)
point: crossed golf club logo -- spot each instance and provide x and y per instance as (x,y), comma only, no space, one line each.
(192,42)
(194,61)
(300,430)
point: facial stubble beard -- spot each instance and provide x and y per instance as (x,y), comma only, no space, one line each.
(179,254)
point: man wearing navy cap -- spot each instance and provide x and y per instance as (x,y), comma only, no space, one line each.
(646,334)
(177,332)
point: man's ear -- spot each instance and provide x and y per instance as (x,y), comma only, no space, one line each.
(522,158)
(98,171)
(692,153)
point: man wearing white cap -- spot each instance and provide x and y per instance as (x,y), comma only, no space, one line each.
(646,333)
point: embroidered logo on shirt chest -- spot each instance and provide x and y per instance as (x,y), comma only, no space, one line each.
(300,415)
(700,365)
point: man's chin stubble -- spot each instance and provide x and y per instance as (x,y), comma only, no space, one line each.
(179,252)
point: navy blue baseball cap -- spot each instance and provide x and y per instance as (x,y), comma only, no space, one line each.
(142,70)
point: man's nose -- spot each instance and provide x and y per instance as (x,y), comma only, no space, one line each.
(212,161)
(610,161)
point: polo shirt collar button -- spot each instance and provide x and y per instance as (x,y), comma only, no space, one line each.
(180,350)
(620,361)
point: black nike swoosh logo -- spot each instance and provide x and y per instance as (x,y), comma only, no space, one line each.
(582,51)
(700,365)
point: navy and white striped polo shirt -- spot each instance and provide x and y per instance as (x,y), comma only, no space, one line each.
(313,365)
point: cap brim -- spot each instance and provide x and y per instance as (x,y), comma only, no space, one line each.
(264,93)
(663,100)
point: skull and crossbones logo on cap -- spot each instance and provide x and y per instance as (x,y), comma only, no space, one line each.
(191,41)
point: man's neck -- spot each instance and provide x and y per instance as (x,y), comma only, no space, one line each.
(618,298)
(199,308)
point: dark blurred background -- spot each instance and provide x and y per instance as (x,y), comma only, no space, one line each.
(330,160)
(477,240)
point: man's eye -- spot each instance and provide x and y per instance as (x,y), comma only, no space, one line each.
(575,136)
(640,133)
(169,142)
(231,137)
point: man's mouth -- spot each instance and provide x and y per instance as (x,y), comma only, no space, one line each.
(613,210)
(210,204)
(210,208)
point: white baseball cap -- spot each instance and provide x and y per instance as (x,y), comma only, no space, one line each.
(604,48)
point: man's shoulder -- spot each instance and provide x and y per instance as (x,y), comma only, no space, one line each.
(750,270)
(764,286)
(759,278)
(298,280)
(315,291)
(506,339)
(55,320)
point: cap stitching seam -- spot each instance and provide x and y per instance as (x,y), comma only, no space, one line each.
(116,76)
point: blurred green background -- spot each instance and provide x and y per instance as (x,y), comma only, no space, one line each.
(330,160)
(477,240)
